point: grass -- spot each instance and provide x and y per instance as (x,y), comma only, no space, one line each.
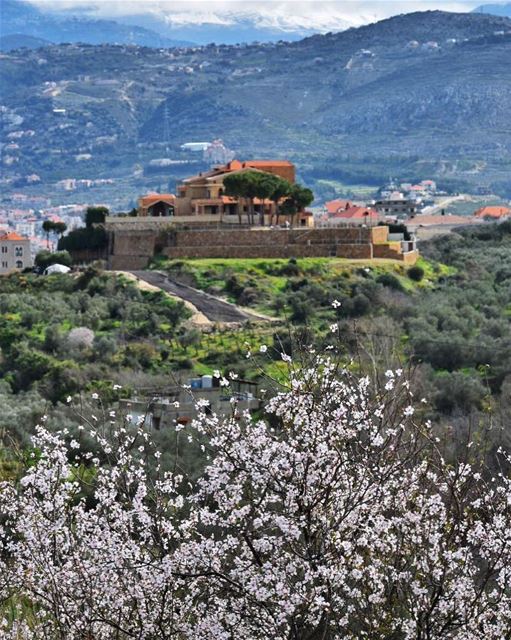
(272,286)
(259,283)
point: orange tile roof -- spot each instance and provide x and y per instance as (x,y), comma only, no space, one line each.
(12,235)
(145,201)
(267,163)
(492,212)
(357,213)
(334,205)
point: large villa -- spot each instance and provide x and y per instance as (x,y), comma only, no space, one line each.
(203,196)
(202,221)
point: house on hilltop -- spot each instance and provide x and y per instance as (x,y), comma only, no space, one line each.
(203,196)
(14,252)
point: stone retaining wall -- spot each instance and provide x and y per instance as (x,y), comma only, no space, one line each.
(269,237)
(133,249)
(355,251)
(128,263)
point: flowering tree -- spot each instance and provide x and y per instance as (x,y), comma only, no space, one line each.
(336,518)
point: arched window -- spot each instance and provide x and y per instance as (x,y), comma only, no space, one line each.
(19,264)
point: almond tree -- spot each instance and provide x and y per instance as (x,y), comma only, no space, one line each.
(334,518)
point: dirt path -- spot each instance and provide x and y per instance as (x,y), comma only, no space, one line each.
(197,318)
(212,308)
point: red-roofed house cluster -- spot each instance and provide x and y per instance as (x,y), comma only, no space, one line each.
(203,195)
(340,212)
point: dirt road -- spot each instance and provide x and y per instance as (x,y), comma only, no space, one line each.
(215,309)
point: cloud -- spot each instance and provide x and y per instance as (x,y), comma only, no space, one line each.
(319,15)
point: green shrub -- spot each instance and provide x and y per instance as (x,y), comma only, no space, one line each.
(416,273)
(45,259)
(290,269)
(389,280)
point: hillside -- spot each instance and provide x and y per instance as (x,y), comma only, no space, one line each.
(419,94)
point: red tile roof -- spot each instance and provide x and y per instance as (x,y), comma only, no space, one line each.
(12,235)
(146,201)
(335,205)
(357,213)
(267,163)
(492,212)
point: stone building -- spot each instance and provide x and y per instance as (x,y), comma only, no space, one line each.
(203,195)
(14,252)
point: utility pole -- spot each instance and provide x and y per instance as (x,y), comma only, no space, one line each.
(166,125)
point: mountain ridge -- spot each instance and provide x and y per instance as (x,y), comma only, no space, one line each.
(424,94)
(24,19)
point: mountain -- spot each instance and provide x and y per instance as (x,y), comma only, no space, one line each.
(23,19)
(495,9)
(419,95)
(151,29)
(19,40)
(229,27)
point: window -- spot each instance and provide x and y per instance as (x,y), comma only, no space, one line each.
(4,264)
(18,252)
(4,249)
(19,264)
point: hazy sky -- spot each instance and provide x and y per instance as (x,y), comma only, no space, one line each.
(319,14)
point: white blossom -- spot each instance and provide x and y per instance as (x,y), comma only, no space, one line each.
(336,519)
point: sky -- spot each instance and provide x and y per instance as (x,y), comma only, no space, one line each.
(322,15)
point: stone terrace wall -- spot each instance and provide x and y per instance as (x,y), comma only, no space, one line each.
(392,251)
(133,249)
(269,243)
(269,237)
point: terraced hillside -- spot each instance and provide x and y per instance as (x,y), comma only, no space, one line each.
(419,94)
